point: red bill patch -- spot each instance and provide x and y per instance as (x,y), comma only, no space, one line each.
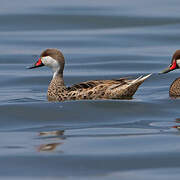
(39,62)
(174,65)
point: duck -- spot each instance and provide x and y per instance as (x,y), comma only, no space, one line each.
(174,90)
(90,90)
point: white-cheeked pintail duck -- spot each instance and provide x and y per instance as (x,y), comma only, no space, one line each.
(95,89)
(174,90)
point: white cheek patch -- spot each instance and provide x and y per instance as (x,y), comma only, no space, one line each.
(50,62)
(178,62)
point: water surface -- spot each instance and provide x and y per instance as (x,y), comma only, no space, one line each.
(102,139)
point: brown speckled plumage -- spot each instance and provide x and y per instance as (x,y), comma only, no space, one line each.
(102,89)
(174,90)
(95,89)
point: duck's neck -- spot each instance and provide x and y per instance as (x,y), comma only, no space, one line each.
(58,79)
(56,87)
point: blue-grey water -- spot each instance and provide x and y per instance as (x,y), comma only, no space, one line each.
(102,139)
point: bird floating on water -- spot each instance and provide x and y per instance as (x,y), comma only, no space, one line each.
(174,90)
(94,89)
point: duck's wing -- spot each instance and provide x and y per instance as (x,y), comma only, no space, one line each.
(94,83)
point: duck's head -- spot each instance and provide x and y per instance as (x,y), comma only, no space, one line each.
(175,63)
(52,58)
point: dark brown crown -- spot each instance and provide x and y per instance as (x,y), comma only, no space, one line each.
(176,55)
(55,54)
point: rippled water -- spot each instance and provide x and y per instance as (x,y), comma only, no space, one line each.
(102,139)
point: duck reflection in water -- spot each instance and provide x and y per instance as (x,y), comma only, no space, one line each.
(51,146)
(54,133)
(48,147)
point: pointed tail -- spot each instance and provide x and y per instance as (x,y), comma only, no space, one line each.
(140,80)
(130,90)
